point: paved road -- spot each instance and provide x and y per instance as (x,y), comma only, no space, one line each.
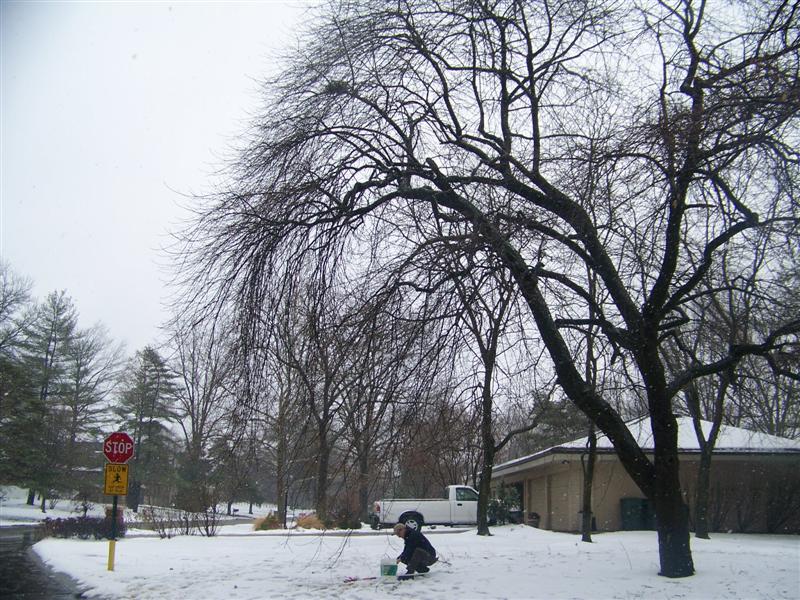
(22,573)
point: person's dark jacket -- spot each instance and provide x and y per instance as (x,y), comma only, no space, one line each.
(412,540)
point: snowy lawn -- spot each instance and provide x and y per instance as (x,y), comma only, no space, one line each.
(15,512)
(516,562)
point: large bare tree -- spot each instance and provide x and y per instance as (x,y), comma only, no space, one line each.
(574,140)
(204,372)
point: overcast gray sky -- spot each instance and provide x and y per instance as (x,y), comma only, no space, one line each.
(110,111)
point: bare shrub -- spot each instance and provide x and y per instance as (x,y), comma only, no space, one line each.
(747,504)
(271,521)
(166,522)
(207,521)
(187,522)
(310,521)
(720,503)
(82,528)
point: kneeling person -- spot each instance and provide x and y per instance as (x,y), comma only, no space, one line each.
(418,554)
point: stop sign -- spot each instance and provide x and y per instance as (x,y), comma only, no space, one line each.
(118,447)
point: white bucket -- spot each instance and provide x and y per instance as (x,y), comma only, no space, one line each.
(388,567)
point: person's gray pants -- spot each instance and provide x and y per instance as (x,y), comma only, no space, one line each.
(420,558)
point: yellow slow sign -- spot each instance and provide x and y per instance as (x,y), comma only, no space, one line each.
(116,481)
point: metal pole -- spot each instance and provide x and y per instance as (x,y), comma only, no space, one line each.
(113,541)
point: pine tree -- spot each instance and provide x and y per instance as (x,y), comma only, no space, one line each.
(92,366)
(40,415)
(145,411)
(19,448)
(14,386)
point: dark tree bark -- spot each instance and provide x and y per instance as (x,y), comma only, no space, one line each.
(488,447)
(707,443)
(588,480)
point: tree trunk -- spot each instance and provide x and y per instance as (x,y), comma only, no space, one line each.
(484,491)
(281,459)
(31,497)
(672,513)
(588,478)
(588,467)
(321,495)
(659,481)
(280,481)
(487,440)
(43,505)
(363,483)
(133,499)
(280,492)
(706,450)
(673,538)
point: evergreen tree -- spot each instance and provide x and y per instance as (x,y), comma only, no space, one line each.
(14,389)
(145,411)
(19,430)
(91,370)
(40,415)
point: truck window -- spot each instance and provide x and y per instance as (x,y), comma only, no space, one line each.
(466,494)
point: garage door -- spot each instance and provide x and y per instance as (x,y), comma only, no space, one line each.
(558,503)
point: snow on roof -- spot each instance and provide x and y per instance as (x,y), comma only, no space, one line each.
(730,440)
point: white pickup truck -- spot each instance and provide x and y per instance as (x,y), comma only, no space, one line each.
(458,507)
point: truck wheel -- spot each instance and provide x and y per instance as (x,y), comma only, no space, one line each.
(375,523)
(412,521)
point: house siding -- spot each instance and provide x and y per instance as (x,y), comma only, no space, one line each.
(748,494)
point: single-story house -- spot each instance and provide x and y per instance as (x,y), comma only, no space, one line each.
(755,482)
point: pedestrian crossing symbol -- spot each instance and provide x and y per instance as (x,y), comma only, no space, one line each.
(116,480)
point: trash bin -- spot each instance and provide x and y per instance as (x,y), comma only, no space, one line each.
(631,509)
(637,514)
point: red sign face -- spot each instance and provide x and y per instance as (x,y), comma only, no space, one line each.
(118,448)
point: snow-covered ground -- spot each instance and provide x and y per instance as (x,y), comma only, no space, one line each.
(516,562)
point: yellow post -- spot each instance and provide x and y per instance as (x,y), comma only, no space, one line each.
(112,543)
(111,548)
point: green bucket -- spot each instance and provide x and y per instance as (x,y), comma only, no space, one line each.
(388,568)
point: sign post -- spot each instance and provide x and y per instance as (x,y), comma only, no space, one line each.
(118,450)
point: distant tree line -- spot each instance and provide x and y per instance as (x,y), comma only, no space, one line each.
(347,402)
(64,388)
